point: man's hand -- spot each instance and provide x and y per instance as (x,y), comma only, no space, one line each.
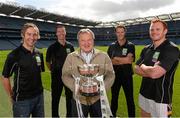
(7,86)
(123,60)
(115,61)
(130,58)
(157,63)
(153,72)
(48,65)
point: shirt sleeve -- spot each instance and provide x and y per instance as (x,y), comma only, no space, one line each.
(9,66)
(67,73)
(109,74)
(141,58)
(132,50)
(110,52)
(48,55)
(72,49)
(42,63)
(170,57)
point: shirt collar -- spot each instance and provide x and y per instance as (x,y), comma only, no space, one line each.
(61,44)
(117,43)
(87,56)
(84,53)
(26,50)
(160,46)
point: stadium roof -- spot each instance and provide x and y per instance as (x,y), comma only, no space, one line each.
(144,20)
(13,9)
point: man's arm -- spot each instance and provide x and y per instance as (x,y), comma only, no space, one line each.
(48,65)
(7,86)
(123,60)
(138,70)
(109,74)
(49,57)
(67,78)
(153,72)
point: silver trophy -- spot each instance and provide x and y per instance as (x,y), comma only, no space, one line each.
(89,85)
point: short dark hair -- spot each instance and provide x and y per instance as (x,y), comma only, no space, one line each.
(60,26)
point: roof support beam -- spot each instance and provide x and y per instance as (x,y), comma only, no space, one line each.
(28,15)
(44,16)
(15,11)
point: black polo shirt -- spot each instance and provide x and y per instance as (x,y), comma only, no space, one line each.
(27,68)
(56,55)
(160,90)
(116,50)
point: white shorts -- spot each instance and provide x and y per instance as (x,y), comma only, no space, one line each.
(155,109)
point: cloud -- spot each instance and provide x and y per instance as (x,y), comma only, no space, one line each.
(7,1)
(145,5)
(103,10)
(119,16)
(126,9)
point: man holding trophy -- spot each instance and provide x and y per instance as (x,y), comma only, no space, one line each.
(88,73)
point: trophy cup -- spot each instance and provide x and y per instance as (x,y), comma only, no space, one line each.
(89,86)
(90,83)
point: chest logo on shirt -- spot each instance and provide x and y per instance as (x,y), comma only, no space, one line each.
(38,60)
(155,56)
(68,50)
(124,51)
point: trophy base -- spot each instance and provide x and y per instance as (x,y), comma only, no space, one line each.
(90,94)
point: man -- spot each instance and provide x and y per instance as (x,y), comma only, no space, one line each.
(157,65)
(55,57)
(122,54)
(26,62)
(87,54)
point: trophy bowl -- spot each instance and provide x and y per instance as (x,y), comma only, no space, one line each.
(88,90)
(88,72)
(83,70)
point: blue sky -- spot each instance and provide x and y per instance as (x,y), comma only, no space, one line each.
(104,10)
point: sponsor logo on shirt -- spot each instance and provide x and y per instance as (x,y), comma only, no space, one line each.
(38,60)
(155,57)
(124,51)
(68,50)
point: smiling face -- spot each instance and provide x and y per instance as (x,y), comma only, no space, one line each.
(30,34)
(30,37)
(86,42)
(61,33)
(157,31)
(120,33)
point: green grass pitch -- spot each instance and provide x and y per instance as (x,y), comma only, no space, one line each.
(122,109)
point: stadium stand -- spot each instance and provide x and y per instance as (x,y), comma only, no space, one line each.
(13,16)
(6,45)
